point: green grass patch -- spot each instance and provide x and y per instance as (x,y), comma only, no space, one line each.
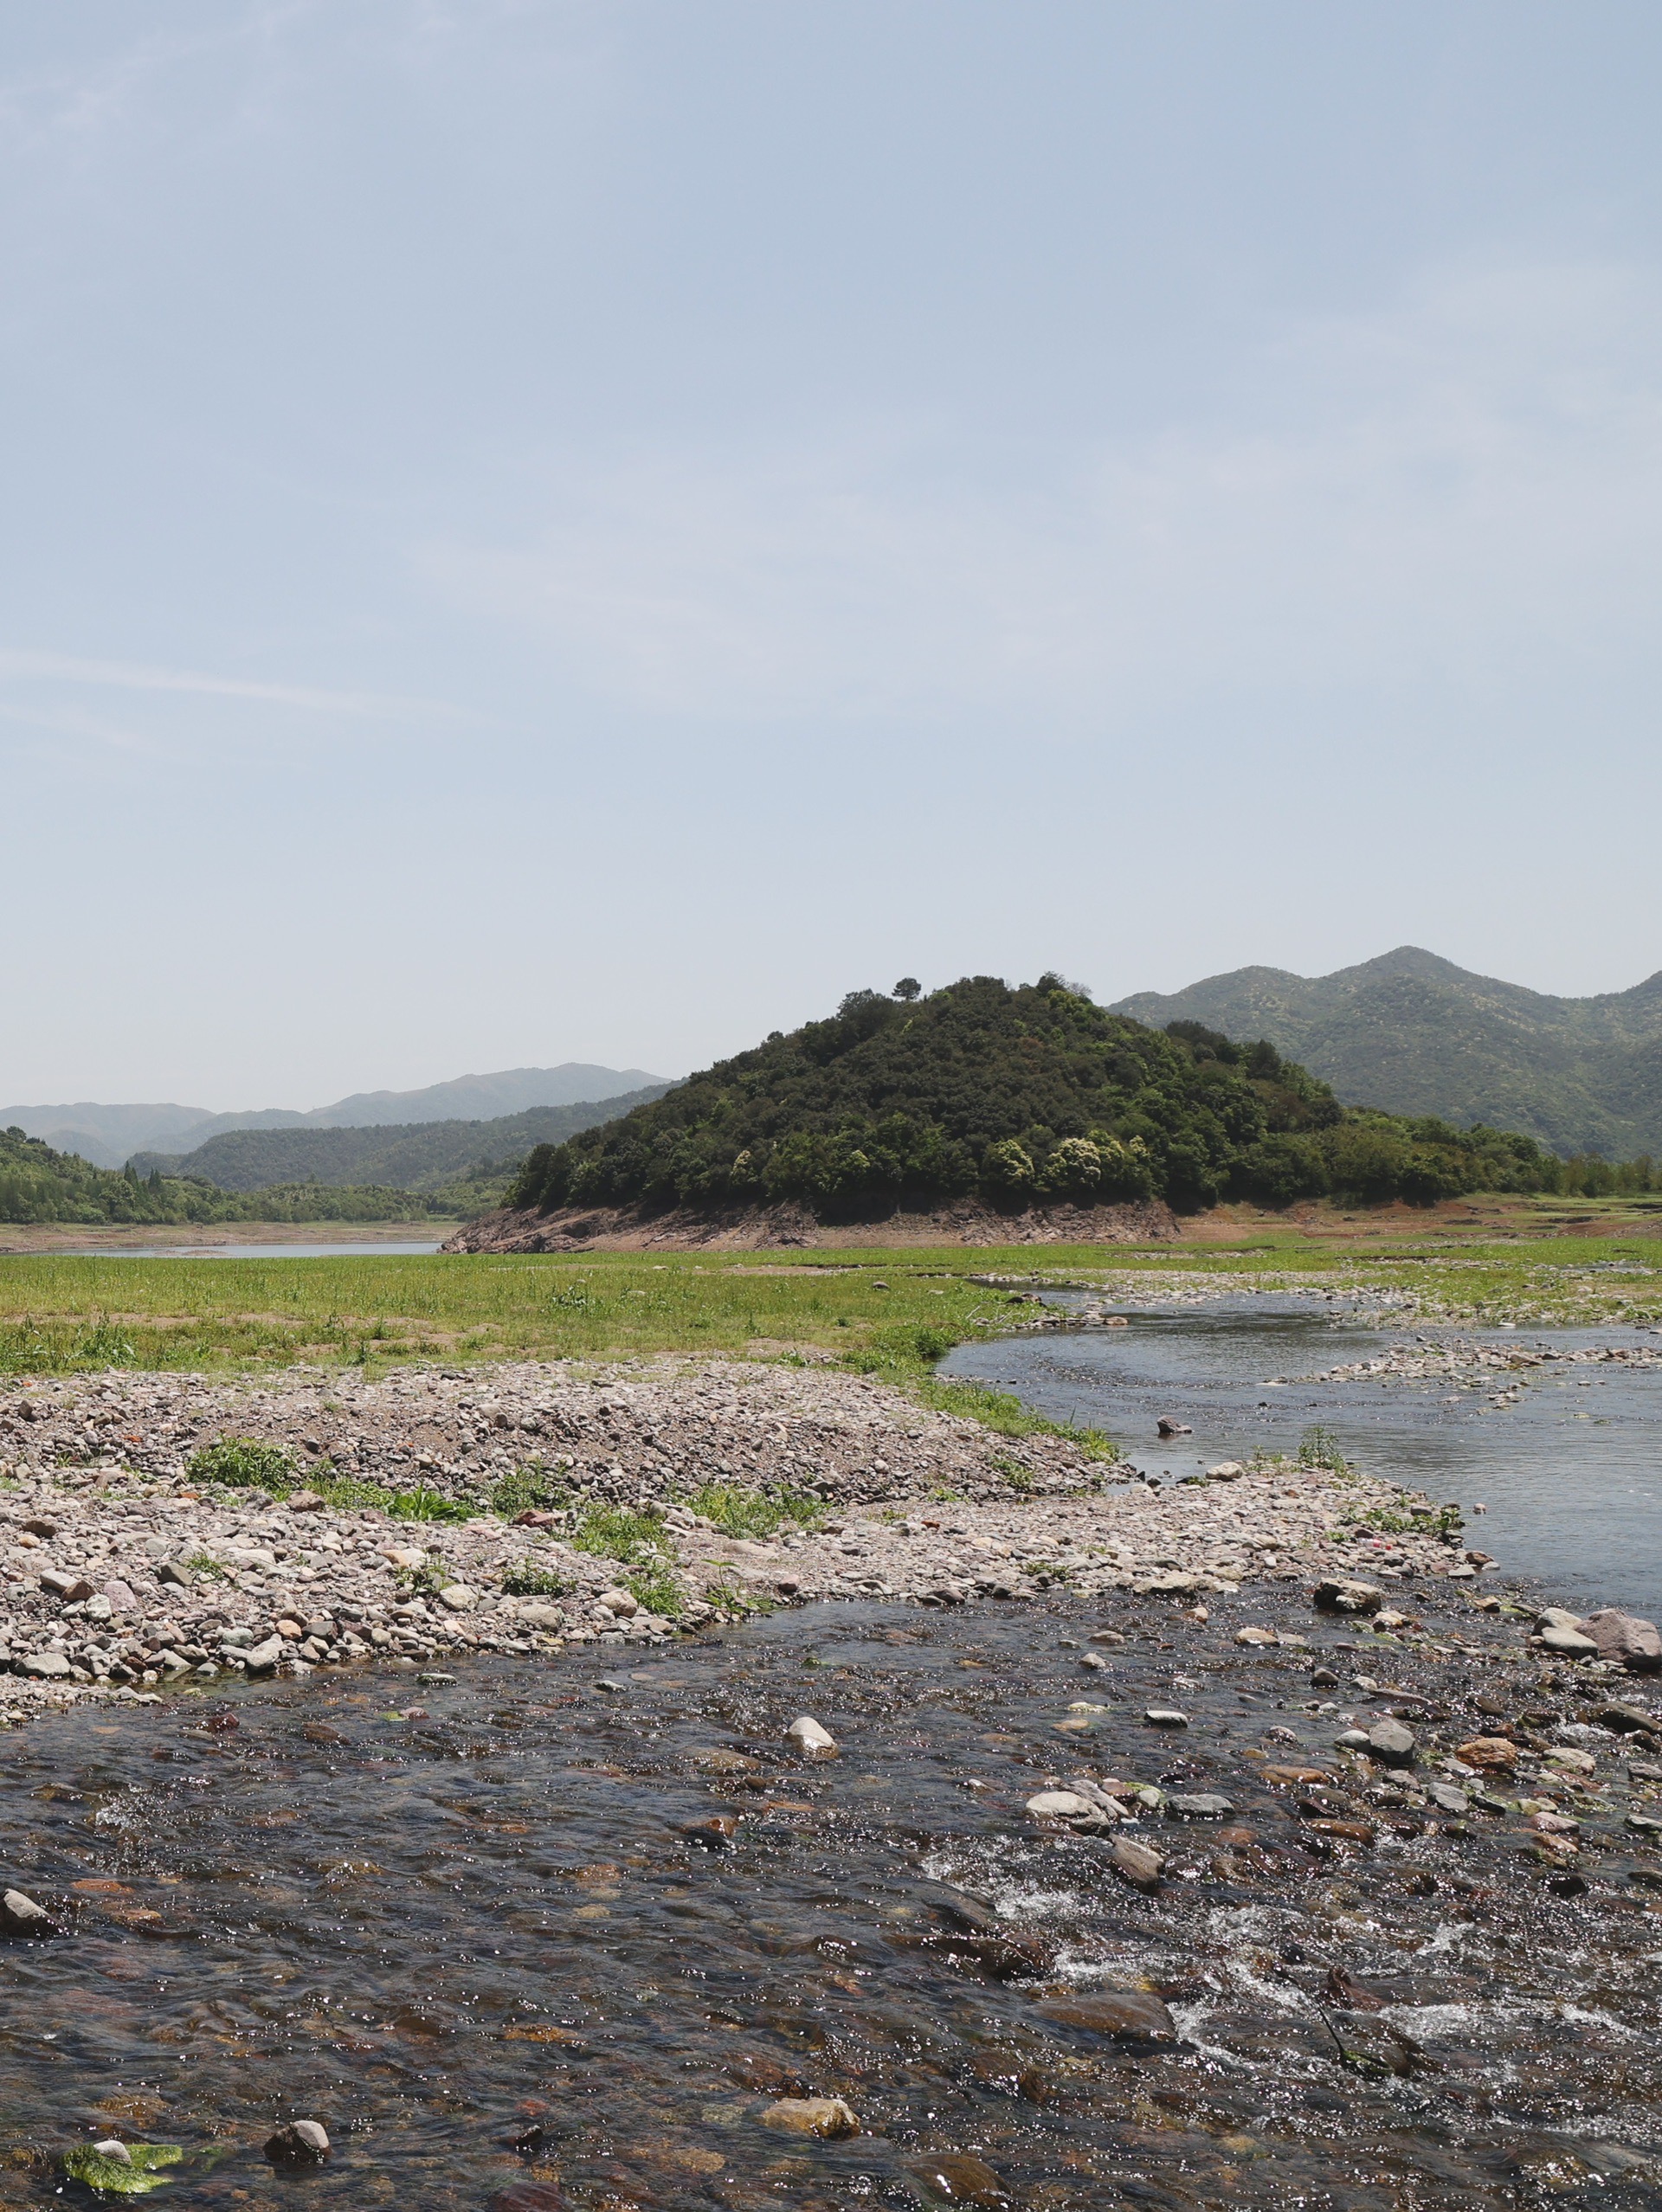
(206,1569)
(252,1464)
(346,1492)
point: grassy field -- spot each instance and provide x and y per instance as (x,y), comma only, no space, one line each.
(893,1311)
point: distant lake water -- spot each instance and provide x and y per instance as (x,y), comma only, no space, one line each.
(363,1249)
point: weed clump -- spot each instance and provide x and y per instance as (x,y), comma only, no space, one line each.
(243,1464)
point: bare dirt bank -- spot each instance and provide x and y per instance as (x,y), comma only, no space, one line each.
(626,1229)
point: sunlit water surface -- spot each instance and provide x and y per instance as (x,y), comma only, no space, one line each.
(1571,1474)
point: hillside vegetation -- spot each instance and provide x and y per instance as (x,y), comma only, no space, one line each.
(1016,1097)
(38,1185)
(1414,1034)
(442,1158)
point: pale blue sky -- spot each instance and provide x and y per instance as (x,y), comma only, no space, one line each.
(538,531)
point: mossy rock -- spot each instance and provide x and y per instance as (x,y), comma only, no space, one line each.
(116,2177)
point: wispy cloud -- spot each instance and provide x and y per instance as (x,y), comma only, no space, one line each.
(20,664)
(1451,491)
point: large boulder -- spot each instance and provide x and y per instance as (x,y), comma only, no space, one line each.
(1625,1638)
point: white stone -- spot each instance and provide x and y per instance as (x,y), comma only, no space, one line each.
(811,1740)
(1061,1804)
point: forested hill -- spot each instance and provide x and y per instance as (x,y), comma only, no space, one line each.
(420,1156)
(1014,1096)
(1415,1034)
(38,1184)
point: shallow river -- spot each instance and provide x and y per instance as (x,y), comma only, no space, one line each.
(1571,1472)
(462,1926)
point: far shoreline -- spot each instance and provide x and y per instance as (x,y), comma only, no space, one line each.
(85,1239)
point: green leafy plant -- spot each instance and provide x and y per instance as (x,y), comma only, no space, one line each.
(105,1346)
(206,1568)
(243,1464)
(758,1513)
(1416,1520)
(423,1504)
(1018,1476)
(432,1577)
(134,2176)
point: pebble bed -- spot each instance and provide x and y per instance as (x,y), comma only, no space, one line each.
(121,1574)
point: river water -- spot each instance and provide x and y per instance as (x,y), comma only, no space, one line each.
(463,1925)
(1570,1469)
(481,1928)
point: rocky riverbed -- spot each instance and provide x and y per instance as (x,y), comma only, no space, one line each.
(1078,1906)
(525,1508)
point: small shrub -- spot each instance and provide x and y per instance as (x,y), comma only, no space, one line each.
(205,1568)
(529,1580)
(243,1464)
(619,1533)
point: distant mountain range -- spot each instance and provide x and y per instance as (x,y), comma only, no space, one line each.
(1415,1034)
(420,1156)
(109,1136)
